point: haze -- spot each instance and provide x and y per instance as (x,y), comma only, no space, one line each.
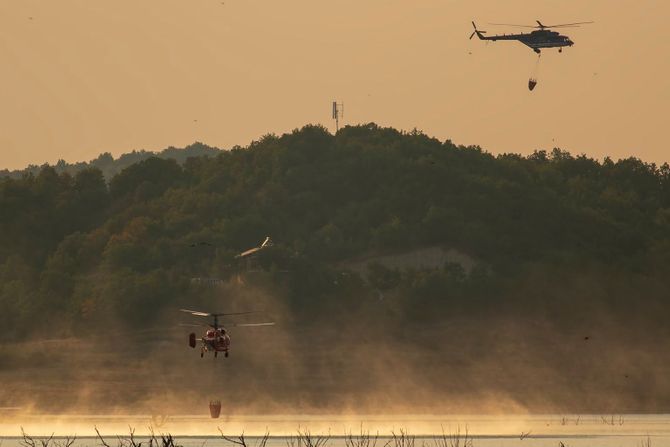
(81,77)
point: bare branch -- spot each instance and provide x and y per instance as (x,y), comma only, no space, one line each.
(239,441)
(361,440)
(168,441)
(102,440)
(27,441)
(67,441)
(402,439)
(454,439)
(261,442)
(153,441)
(46,442)
(306,439)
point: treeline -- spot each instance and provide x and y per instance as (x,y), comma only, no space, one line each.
(75,248)
(109,166)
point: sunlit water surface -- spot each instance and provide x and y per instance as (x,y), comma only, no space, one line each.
(485,431)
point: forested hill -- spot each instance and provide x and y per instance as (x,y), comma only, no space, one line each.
(111,166)
(75,248)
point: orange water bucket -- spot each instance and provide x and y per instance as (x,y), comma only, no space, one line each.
(215,408)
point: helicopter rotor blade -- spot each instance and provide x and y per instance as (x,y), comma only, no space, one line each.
(270,323)
(235,313)
(518,26)
(473,34)
(540,25)
(563,25)
(219,314)
(196,313)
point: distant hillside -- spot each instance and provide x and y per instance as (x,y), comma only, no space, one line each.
(111,166)
(553,265)
(67,238)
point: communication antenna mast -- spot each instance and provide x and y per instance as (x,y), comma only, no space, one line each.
(338,112)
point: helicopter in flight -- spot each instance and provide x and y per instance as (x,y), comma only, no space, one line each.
(267,242)
(216,338)
(543,37)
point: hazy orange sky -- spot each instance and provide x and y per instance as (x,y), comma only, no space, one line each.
(81,77)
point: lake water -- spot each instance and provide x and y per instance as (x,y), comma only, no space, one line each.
(485,431)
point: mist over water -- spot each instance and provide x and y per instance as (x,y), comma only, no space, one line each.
(361,362)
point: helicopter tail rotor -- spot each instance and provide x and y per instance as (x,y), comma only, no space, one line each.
(476,31)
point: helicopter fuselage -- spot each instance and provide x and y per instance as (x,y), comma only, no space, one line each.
(214,340)
(536,40)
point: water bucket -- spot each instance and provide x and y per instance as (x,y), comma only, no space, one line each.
(215,408)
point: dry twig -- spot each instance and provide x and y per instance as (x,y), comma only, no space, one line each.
(402,439)
(306,439)
(454,439)
(29,441)
(362,440)
(102,440)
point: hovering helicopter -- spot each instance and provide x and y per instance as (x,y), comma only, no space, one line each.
(216,338)
(537,40)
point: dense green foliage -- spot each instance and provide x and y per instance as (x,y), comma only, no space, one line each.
(80,249)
